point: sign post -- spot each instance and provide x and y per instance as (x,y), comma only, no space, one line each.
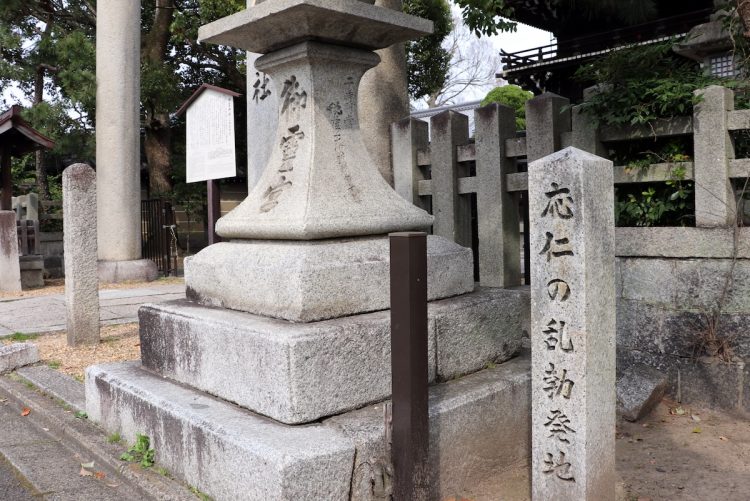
(210,144)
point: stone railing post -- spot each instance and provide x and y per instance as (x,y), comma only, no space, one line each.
(714,197)
(545,121)
(407,137)
(585,132)
(452,212)
(497,210)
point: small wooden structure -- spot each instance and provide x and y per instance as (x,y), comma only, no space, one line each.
(17,138)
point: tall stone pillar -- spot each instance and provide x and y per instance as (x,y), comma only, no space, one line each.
(383,100)
(118,186)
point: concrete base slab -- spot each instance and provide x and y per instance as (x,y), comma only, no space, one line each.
(32,271)
(297,373)
(479,424)
(315,280)
(13,356)
(139,270)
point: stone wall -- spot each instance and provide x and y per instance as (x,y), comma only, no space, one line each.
(665,308)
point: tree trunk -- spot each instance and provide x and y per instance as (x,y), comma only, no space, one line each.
(158,141)
(158,146)
(42,185)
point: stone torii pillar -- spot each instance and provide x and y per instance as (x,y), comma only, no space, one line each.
(118,180)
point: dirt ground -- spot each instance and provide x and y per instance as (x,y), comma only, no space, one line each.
(57,286)
(118,342)
(678,452)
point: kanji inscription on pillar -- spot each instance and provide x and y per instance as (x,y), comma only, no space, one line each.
(571,213)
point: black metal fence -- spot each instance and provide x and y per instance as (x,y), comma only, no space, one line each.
(158,234)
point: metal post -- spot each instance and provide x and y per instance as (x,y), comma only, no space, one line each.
(409,366)
(214,210)
(6,183)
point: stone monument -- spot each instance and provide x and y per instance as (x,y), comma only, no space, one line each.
(79,236)
(287,318)
(571,211)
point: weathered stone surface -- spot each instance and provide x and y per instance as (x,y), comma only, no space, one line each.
(297,373)
(384,99)
(81,279)
(480,328)
(639,389)
(687,284)
(320,181)
(545,123)
(571,207)
(469,439)
(714,196)
(262,119)
(270,26)
(140,270)
(118,153)
(13,356)
(226,452)
(199,439)
(706,381)
(10,273)
(683,242)
(56,384)
(32,271)
(308,281)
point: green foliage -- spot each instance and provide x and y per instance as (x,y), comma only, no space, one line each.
(427,61)
(640,84)
(81,415)
(485,17)
(54,364)
(114,438)
(140,452)
(670,203)
(20,337)
(201,495)
(513,96)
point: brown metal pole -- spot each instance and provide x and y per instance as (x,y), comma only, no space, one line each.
(409,366)
(6,182)
(214,211)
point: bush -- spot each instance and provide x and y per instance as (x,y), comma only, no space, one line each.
(513,96)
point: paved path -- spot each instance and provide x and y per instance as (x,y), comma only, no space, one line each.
(47,313)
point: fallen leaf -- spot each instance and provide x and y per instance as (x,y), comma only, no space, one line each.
(45,429)
(26,411)
(3,400)
(100,475)
(696,418)
(85,473)
(697,429)
(137,344)
(111,485)
(723,438)
(88,466)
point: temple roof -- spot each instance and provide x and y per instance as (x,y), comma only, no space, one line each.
(19,136)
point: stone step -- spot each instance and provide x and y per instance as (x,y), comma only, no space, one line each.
(479,424)
(298,373)
(17,355)
(56,384)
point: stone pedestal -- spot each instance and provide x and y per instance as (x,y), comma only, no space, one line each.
(287,318)
(32,271)
(118,152)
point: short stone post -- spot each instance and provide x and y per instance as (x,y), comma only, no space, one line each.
(571,207)
(497,210)
(714,197)
(79,235)
(408,136)
(545,122)
(10,271)
(452,211)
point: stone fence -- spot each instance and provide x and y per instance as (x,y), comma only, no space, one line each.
(443,174)
(675,285)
